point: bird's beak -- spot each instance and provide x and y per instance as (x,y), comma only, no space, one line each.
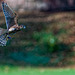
(24,27)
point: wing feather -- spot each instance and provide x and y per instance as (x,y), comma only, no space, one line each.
(3,40)
(3,37)
(10,15)
(2,31)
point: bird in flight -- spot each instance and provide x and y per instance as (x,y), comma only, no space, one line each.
(11,23)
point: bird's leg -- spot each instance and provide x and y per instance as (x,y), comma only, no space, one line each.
(7,36)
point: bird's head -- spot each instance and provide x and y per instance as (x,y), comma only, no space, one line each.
(22,26)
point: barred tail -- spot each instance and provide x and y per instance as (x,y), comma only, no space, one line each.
(3,40)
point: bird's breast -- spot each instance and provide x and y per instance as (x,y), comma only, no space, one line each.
(11,29)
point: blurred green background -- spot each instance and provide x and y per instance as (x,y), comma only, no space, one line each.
(46,46)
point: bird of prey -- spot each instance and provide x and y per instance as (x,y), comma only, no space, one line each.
(11,23)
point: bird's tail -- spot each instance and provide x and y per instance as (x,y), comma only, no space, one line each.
(3,40)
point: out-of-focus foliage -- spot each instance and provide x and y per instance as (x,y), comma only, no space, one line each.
(41,5)
(48,40)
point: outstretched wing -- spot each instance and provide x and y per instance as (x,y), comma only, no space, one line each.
(3,40)
(2,31)
(10,15)
(3,37)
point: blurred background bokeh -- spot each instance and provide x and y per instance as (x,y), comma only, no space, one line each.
(42,5)
(48,40)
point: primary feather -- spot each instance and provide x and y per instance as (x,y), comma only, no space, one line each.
(10,15)
(3,40)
